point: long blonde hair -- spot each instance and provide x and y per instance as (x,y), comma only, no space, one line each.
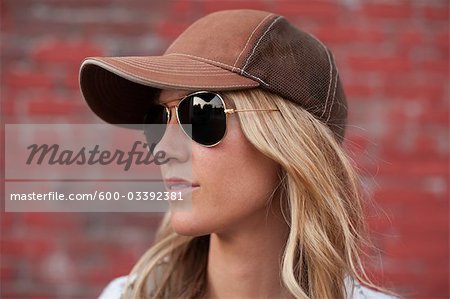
(321,201)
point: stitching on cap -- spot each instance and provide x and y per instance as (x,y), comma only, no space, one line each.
(329,84)
(223,64)
(120,72)
(167,64)
(201,58)
(334,93)
(331,74)
(204,72)
(248,40)
(172,67)
(259,40)
(334,88)
(256,78)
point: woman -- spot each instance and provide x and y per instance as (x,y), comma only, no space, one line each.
(275,202)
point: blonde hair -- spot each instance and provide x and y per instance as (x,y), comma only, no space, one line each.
(321,202)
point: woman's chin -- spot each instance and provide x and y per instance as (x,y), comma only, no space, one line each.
(186,224)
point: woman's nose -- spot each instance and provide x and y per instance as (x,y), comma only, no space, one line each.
(174,143)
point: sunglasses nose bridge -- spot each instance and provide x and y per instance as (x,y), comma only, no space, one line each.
(169,113)
(173,118)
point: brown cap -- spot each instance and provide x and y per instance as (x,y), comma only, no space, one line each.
(225,50)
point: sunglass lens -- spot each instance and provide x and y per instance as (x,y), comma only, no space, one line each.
(205,112)
(155,121)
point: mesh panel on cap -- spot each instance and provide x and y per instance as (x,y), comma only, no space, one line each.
(295,65)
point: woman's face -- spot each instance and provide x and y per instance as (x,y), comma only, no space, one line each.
(234,179)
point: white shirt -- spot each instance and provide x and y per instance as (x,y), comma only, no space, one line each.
(117,286)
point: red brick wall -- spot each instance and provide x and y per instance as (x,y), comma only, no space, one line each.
(393,59)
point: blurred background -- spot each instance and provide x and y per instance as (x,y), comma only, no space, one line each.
(393,58)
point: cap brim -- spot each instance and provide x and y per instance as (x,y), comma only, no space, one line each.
(121,89)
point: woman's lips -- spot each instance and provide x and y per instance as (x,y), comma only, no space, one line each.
(175,184)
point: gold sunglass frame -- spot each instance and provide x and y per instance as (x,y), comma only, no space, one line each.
(228,111)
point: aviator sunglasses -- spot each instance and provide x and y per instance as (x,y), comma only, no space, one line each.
(202,116)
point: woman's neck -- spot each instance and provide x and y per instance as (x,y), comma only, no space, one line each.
(245,261)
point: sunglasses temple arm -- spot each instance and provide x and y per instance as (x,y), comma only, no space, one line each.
(231,111)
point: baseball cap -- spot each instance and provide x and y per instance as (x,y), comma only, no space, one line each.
(225,50)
